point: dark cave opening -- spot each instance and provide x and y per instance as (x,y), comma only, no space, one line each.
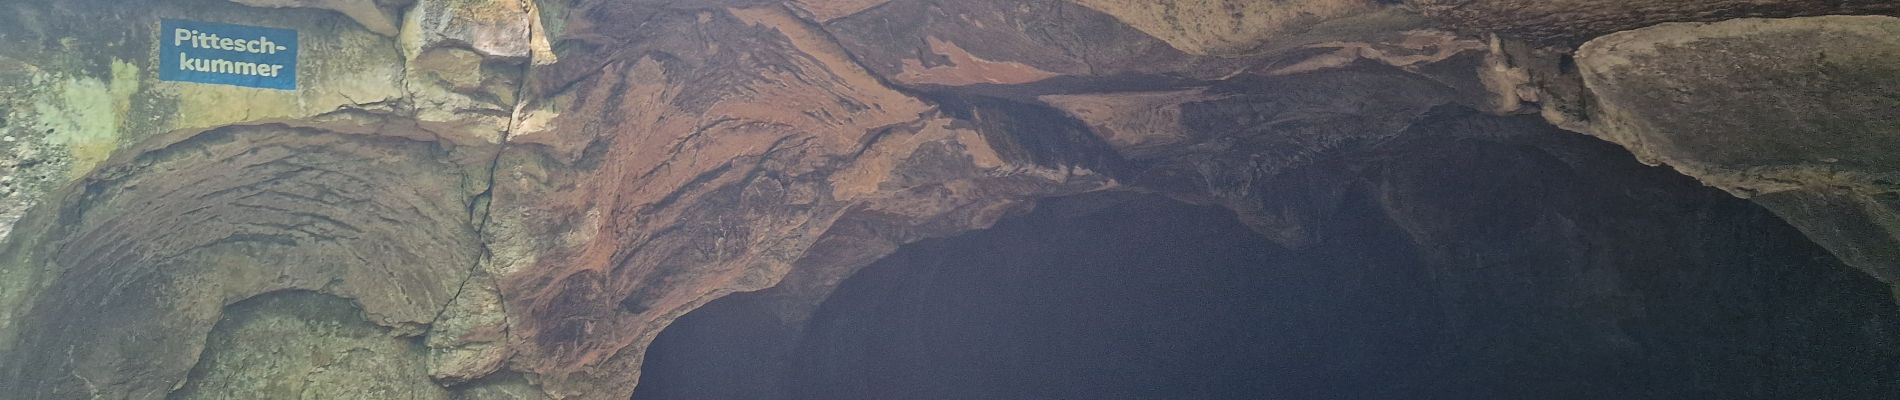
(1537,266)
(1119,297)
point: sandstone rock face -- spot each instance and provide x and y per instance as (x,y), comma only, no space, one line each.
(503,199)
(668,181)
(250,210)
(1225,26)
(77,94)
(1799,113)
(375,15)
(928,43)
(827,10)
(164,202)
(1570,22)
(318,348)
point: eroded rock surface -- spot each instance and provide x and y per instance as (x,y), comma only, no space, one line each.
(1570,22)
(688,167)
(519,196)
(1226,26)
(164,202)
(150,259)
(1800,113)
(376,15)
(311,347)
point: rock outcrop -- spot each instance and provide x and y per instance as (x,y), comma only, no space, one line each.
(511,199)
(1796,113)
(681,168)
(1572,22)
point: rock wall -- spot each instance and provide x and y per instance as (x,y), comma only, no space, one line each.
(1471,256)
(1571,22)
(533,190)
(1803,121)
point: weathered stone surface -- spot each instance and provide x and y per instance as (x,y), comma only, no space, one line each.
(170,212)
(827,10)
(84,108)
(80,85)
(922,211)
(237,212)
(525,193)
(1226,26)
(1253,129)
(681,168)
(500,387)
(1760,107)
(1409,50)
(299,345)
(1061,45)
(1859,228)
(1571,22)
(467,61)
(1137,124)
(469,340)
(919,42)
(376,15)
(508,29)
(1742,101)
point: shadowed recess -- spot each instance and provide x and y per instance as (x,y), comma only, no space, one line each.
(1605,279)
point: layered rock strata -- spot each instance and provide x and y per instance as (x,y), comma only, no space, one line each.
(518,196)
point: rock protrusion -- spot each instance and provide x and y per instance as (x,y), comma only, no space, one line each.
(1799,112)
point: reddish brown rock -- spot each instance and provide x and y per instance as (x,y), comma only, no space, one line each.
(963,43)
(1227,27)
(1137,124)
(691,167)
(534,190)
(827,10)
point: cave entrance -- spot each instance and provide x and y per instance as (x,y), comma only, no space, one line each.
(1440,269)
(1097,296)
(1123,296)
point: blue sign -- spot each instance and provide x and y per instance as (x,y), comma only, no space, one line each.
(225,54)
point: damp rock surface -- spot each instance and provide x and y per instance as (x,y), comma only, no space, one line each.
(1799,112)
(1473,268)
(527,193)
(306,346)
